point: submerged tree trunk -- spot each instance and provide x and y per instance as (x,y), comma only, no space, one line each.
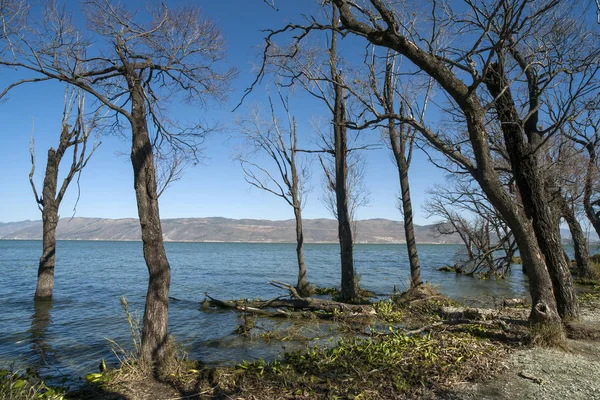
(302,285)
(45,279)
(155,334)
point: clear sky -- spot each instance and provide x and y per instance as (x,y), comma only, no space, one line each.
(216,188)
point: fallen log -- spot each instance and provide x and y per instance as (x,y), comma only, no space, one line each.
(306,303)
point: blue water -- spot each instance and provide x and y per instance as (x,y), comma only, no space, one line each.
(68,336)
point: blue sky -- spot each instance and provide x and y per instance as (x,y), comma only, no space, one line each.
(217,187)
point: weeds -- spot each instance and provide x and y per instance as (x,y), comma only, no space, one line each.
(27,386)
(385,367)
(548,335)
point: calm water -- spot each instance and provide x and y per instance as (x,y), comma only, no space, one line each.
(68,336)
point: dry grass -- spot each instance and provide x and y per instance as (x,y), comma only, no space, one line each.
(548,335)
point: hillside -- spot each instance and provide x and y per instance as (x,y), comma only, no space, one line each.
(221,230)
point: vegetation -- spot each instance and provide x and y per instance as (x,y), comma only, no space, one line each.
(16,386)
(515,124)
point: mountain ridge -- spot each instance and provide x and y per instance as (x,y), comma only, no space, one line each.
(221,229)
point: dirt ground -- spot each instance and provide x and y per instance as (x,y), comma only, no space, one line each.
(548,374)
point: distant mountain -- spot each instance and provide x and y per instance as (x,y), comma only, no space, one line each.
(222,230)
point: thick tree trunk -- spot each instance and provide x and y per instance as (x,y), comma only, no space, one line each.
(45,279)
(530,181)
(155,334)
(302,285)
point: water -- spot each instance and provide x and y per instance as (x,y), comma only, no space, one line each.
(68,336)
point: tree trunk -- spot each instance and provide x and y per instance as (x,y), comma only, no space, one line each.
(341,195)
(349,287)
(155,334)
(398,143)
(579,243)
(45,279)
(302,286)
(409,229)
(593,216)
(530,181)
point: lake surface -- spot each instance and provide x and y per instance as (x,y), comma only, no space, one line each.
(68,336)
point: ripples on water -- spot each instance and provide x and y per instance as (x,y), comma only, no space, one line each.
(68,336)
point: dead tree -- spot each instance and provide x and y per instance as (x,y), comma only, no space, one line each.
(132,68)
(74,136)
(288,181)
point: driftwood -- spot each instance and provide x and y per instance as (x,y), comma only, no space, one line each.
(467,313)
(281,303)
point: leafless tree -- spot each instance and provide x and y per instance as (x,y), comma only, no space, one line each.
(464,210)
(565,169)
(133,64)
(585,133)
(74,136)
(512,51)
(319,73)
(280,145)
(401,139)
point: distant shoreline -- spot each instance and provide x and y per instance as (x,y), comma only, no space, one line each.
(222,241)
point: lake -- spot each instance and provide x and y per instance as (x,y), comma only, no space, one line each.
(68,336)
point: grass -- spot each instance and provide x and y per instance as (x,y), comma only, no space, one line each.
(27,386)
(548,335)
(384,367)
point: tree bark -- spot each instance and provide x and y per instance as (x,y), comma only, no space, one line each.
(529,177)
(302,281)
(341,194)
(155,334)
(45,279)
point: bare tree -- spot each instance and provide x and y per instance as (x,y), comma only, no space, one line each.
(288,182)
(585,132)
(133,68)
(74,136)
(402,139)
(464,209)
(320,74)
(500,33)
